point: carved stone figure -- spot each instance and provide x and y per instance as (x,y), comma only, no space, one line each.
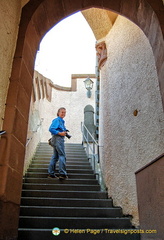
(101,54)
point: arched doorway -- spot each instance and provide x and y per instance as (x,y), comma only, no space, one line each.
(37,18)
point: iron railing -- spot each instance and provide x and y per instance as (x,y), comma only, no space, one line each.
(2,132)
(28,141)
(92,147)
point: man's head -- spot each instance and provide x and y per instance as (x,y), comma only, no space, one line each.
(61,112)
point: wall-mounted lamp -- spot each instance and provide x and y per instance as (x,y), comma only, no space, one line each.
(88,85)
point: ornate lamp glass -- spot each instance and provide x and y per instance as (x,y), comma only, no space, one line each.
(88,85)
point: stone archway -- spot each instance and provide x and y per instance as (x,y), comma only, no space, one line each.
(37,18)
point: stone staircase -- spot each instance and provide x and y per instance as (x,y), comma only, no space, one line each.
(76,206)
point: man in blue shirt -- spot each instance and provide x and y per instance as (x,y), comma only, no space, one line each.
(58,131)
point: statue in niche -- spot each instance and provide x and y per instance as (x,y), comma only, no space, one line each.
(101,54)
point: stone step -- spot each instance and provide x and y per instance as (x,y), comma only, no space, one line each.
(58,181)
(74,222)
(71,175)
(76,203)
(68,151)
(69,187)
(64,194)
(71,146)
(69,170)
(77,234)
(50,151)
(66,144)
(66,202)
(68,162)
(69,157)
(48,211)
(69,166)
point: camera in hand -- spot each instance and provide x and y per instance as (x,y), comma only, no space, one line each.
(67,135)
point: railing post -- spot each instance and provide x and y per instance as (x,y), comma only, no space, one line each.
(94,150)
(98,154)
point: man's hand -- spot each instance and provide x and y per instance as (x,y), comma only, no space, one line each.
(62,134)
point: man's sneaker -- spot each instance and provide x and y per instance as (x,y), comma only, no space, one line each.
(63,177)
(52,176)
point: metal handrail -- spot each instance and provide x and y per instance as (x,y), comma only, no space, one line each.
(92,151)
(2,132)
(28,141)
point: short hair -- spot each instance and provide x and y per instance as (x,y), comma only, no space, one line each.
(59,110)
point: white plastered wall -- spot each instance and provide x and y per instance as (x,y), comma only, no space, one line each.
(74,102)
(42,112)
(131,114)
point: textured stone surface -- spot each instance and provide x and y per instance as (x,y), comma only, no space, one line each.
(102,21)
(9,220)
(9,20)
(131,115)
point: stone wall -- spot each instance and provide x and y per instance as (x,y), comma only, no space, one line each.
(10,11)
(131,114)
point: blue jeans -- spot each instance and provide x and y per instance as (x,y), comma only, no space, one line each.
(58,155)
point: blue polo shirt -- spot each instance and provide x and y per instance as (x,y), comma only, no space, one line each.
(57,125)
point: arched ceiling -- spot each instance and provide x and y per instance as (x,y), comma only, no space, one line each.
(23,2)
(39,16)
(100,21)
